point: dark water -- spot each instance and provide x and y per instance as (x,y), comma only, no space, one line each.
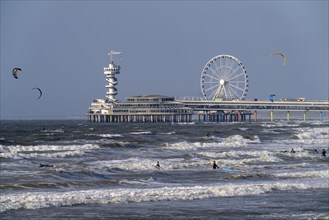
(74,169)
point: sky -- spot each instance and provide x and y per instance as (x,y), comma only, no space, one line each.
(62,48)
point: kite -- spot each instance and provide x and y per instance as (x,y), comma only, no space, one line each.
(283,56)
(16,71)
(39,92)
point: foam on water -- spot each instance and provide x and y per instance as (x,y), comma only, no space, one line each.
(231,141)
(109,135)
(44,151)
(35,200)
(140,132)
(115,164)
(308,136)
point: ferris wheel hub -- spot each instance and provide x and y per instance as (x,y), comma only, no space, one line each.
(221,82)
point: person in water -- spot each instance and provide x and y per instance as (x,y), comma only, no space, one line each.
(158,165)
(292,151)
(324,152)
(214,165)
(46,165)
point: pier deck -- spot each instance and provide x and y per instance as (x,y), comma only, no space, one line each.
(201,105)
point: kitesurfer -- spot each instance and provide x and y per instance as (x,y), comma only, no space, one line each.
(324,152)
(214,165)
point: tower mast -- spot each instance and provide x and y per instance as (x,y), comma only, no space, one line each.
(110,73)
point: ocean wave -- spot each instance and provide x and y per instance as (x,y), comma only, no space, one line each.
(310,174)
(279,124)
(140,132)
(105,135)
(240,156)
(44,151)
(237,159)
(313,133)
(36,200)
(53,131)
(231,141)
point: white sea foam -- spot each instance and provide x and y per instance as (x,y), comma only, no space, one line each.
(145,164)
(278,124)
(35,200)
(53,131)
(308,174)
(140,132)
(313,133)
(309,136)
(169,133)
(239,156)
(109,135)
(231,141)
(44,151)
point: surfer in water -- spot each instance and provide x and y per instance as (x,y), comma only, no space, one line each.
(46,165)
(324,152)
(158,165)
(214,165)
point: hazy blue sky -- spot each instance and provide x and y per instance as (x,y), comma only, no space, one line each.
(62,47)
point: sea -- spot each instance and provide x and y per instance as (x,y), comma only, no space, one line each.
(73,169)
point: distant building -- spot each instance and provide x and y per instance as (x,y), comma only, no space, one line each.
(138,109)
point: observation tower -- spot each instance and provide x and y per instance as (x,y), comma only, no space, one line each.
(110,73)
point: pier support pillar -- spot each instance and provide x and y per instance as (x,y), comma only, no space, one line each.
(288,116)
(271,116)
(321,116)
(304,115)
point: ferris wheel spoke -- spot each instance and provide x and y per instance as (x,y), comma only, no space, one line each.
(221,64)
(235,92)
(218,91)
(234,71)
(211,82)
(215,72)
(226,67)
(216,66)
(210,88)
(225,92)
(237,81)
(236,76)
(213,77)
(214,93)
(236,87)
(230,66)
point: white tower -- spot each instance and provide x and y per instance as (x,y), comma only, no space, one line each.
(110,72)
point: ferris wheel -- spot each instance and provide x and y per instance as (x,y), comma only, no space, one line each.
(224,78)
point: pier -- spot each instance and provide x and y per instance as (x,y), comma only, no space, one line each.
(221,111)
(224,85)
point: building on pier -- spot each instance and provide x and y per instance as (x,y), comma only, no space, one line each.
(140,109)
(147,108)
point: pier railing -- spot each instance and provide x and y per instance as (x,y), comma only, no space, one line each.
(199,105)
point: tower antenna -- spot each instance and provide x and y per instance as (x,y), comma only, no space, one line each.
(111,53)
